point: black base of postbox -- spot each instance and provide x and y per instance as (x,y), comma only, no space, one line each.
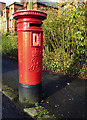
(30,93)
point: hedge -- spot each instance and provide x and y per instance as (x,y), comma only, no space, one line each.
(64,45)
(10,46)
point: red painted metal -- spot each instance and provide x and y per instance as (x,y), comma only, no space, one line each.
(30,43)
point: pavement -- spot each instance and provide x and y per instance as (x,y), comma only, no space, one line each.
(63,96)
(10,111)
(0,105)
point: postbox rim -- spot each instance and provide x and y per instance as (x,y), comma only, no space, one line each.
(31,13)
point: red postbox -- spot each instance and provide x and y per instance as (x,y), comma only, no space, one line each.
(30,44)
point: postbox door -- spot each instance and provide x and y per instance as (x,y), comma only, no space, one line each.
(36,39)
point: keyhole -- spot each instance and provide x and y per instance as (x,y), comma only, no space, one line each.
(35,38)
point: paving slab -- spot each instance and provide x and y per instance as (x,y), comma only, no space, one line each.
(64,97)
(31,111)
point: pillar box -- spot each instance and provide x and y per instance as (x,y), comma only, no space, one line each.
(30,45)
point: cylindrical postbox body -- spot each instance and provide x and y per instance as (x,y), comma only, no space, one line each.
(30,43)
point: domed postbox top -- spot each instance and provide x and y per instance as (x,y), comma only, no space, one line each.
(30,13)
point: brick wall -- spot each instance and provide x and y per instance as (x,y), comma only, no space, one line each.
(12,21)
(2,5)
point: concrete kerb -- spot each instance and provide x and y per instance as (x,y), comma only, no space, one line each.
(10,93)
(34,114)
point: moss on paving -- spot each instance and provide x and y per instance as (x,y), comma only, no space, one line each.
(10,93)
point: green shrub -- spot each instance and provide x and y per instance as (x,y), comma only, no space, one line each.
(6,34)
(10,46)
(64,42)
(15,33)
